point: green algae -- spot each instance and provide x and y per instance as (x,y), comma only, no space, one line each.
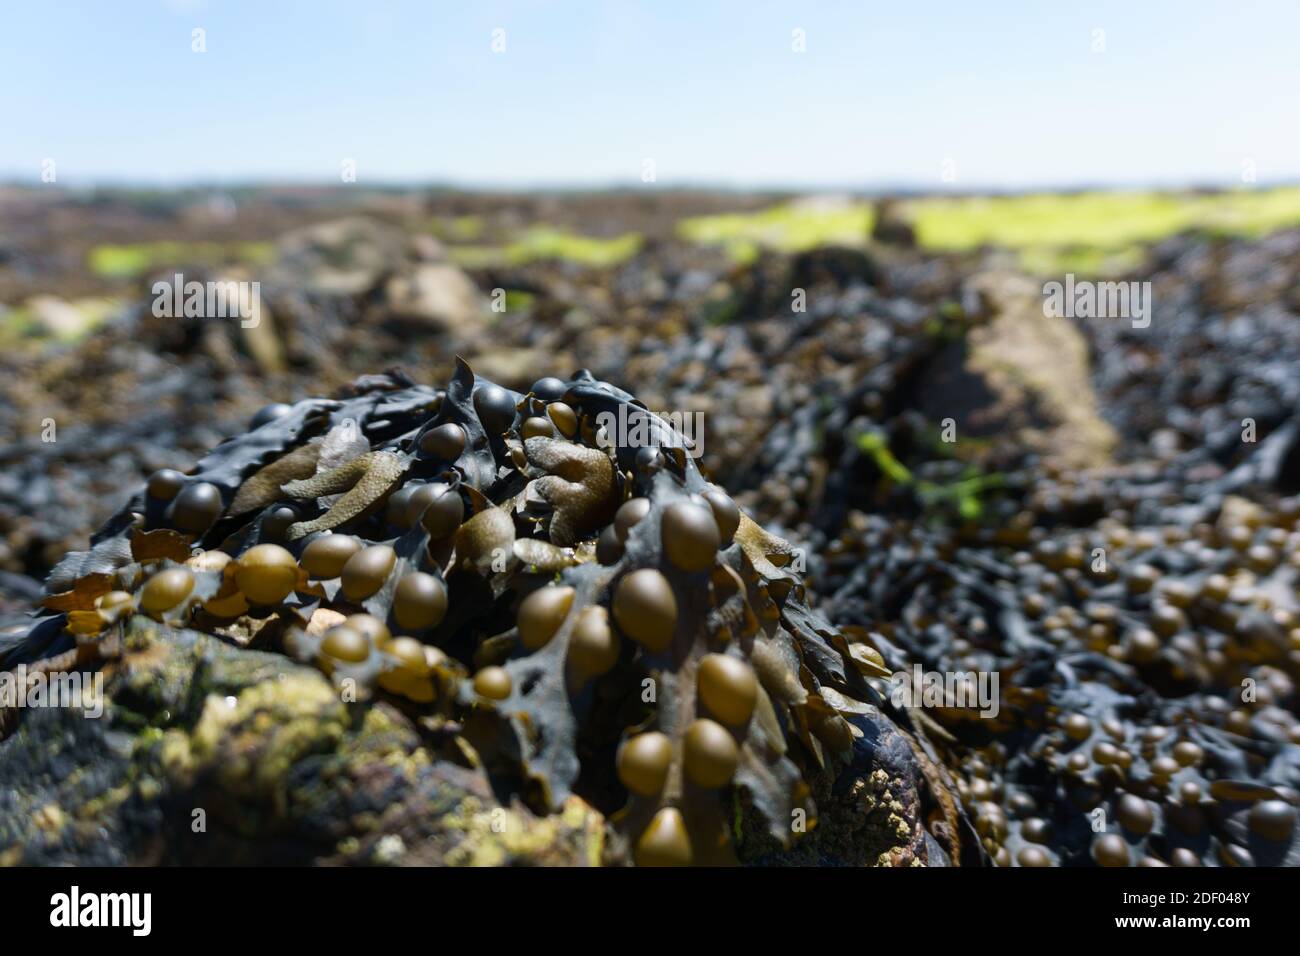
(457,228)
(126,261)
(787,227)
(545,243)
(962,497)
(1094,233)
(21,326)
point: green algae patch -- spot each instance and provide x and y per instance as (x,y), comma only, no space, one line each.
(517,300)
(961,497)
(1041,260)
(1089,220)
(16,325)
(1094,232)
(45,319)
(112,261)
(544,243)
(253,740)
(1091,233)
(1251,213)
(788,227)
(497,836)
(457,228)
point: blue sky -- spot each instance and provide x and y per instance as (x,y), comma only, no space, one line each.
(1011,92)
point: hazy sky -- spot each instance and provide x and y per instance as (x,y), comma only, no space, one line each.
(1013,94)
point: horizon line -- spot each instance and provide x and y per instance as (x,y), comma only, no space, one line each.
(871,190)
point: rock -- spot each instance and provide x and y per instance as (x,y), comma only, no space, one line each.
(767,285)
(840,265)
(67,320)
(517,367)
(1021,381)
(437,293)
(426,248)
(870,812)
(341,257)
(20,587)
(891,226)
(210,754)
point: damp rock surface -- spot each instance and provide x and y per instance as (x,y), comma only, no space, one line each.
(209,754)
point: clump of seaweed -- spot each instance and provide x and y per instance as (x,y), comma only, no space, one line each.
(583,609)
(1146,711)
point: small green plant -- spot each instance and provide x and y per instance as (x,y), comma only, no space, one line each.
(963,497)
